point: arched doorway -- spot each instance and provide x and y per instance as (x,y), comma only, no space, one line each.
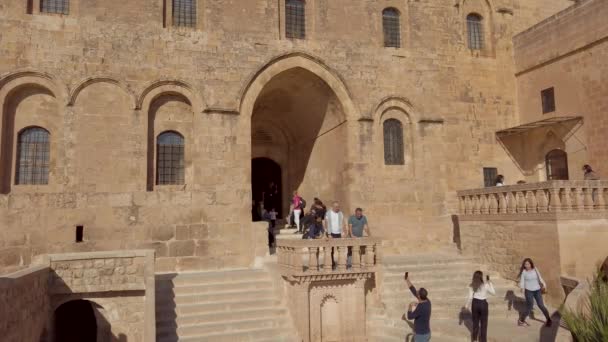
(556,162)
(266,185)
(75,322)
(299,121)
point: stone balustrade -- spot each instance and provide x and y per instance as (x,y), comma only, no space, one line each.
(313,257)
(535,199)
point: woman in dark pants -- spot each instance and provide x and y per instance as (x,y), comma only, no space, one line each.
(533,285)
(478,304)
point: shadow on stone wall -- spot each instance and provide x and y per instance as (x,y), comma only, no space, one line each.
(166,317)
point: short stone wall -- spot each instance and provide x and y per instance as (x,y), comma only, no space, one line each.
(24,305)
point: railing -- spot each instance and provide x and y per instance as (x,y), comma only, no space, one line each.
(309,257)
(536,198)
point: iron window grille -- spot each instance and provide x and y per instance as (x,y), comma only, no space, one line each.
(33,150)
(489,176)
(475,31)
(391,28)
(55,6)
(170,159)
(547,97)
(295,19)
(393,142)
(184,13)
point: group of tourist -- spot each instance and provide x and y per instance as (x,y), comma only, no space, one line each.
(531,284)
(588,172)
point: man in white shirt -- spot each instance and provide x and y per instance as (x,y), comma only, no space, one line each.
(334,225)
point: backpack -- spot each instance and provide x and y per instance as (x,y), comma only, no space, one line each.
(302,203)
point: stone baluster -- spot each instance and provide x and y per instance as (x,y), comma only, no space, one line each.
(485,204)
(297,259)
(369,256)
(341,258)
(588,198)
(356,258)
(476,205)
(502,202)
(467,205)
(542,201)
(461,205)
(511,203)
(313,258)
(521,202)
(327,259)
(555,205)
(493,205)
(600,203)
(579,199)
(567,199)
(531,203)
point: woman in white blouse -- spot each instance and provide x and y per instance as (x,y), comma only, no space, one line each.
(478,304)
(533,285)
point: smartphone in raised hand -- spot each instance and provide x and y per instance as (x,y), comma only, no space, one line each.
(487,277)
(407,274)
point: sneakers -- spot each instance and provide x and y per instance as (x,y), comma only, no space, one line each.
(522,323)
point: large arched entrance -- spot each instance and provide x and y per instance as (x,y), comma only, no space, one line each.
(299,122)
(75,322)
(266,185)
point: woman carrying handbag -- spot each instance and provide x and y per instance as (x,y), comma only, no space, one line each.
(533,285)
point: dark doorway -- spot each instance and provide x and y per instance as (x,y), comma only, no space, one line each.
(557,165)
(75,322)
(265,186)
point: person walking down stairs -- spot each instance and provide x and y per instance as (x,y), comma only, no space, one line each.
(533,285)
(478,304)
(420,312)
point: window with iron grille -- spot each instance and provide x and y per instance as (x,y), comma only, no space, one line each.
(475,31)
(184,13)
(393,142)
(55,6)
(489,176)
(391,28)
(169,158)
(33,150)
(547,97)
(295,19)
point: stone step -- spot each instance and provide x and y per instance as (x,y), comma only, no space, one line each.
(463,265)
(229,327)
(252,335)
(214,317)
(212,297)
(224,306)
(214,277)
(167,287)
(425,260)
(443,290)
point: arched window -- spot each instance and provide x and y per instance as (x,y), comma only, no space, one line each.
(295,19)
(393,142)
(556,162)
(169,158)
(475,31)
(391,27)
(33,150)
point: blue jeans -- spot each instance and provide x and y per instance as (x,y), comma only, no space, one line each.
(422,338)
(532,296)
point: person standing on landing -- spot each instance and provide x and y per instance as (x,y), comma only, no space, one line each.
(420,312)
(334,226)
(297,210)
(357,225)
(478,304)
(533,285)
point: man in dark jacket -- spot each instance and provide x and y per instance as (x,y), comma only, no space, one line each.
(420,312)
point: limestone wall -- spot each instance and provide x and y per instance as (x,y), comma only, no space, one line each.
(24,305)
(109,77)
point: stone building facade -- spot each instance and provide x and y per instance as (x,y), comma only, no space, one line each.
(104,80)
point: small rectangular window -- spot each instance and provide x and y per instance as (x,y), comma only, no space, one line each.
(55,6)
(79,233)
(184,13)
(489,176)
(295,19)
(548,100)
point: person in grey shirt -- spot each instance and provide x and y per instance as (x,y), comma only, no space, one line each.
(357,224)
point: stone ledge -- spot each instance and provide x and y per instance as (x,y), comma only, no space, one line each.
(101,255)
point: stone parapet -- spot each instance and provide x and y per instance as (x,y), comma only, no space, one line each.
(536,201)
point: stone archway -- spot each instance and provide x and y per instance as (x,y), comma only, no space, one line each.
(299,121)
(75,322)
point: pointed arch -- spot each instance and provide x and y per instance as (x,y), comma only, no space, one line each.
(282,63)
(73,95)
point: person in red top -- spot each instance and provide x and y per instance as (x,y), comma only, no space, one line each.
(297,209)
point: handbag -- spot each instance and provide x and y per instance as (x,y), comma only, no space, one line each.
(543,289)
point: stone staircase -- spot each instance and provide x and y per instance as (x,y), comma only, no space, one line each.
(446,276)
(235,305)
